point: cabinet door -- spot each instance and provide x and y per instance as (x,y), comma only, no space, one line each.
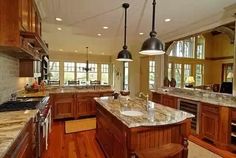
(156,97)
(63,106)
(169,101)
(209,126)
(82,107)
(25,15)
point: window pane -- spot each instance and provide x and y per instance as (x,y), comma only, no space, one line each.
(178,75)
(152,70)
(169,71)
(53,71)
(126,76)
(104,74)
(69,71)
(92,74)
(187,71)
(200,47)
(199,74)
(81,73)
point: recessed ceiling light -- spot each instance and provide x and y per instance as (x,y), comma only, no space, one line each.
(58,19)
(76,51)
(141,33)
(90,52)
(99,34)
(59,28)
(103,53)
(167,20)
(105,27)
(60,50)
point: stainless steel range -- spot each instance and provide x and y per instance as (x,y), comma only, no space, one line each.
(42,120)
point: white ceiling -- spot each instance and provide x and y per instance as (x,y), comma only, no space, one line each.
(84,19)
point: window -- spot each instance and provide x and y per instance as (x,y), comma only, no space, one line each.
(227,72)
(126,76)
(199,74)
(104,74)
(69,71)
(92,74)
(187,71)
(152,70)
(200,47)
(191,47)
(53,71)
(169,71)
(81,73)
(178,75)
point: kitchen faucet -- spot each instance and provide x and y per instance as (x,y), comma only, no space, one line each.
(141,94)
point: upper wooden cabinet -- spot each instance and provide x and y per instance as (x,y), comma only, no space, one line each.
(20,29)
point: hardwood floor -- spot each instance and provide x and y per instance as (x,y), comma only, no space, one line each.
(75,145)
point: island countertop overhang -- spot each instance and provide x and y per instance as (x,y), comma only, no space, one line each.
(158,116)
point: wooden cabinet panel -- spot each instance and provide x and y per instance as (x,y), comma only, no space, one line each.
(169,101)
(63,106)
(24,15)
(156,97)
(209,122)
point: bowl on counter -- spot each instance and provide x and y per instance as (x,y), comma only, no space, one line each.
(125,92)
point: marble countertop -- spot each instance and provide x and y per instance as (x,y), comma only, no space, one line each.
(210,98)
(11,125)
(157,116)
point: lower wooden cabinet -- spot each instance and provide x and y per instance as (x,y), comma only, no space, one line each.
(169,101)
(156,97)
(74,105)
(209,122)
(63,106)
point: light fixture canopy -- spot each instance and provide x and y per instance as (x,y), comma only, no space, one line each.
(125,55)
(152,46)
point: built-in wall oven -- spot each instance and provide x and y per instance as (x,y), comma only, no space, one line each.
(193,108)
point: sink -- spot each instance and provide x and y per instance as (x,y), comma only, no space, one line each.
(131,113)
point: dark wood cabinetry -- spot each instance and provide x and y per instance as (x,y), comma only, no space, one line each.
(64,105)
(21,35)
(29,68)
(156,97)
(209,122)
(75,105)
(22,147)
(169,101)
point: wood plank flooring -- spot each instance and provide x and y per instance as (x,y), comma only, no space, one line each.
(75,145)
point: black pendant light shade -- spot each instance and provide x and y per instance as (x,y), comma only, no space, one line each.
(125,55)
(152,46)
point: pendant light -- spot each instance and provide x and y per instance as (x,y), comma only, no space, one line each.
(125,55)
(152,46)
(87,69)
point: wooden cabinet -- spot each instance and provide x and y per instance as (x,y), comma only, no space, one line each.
(209,122)
(21,35)
(29,68)
(22,147)
(85,104)
(169,101)
(63,106)
(156,97)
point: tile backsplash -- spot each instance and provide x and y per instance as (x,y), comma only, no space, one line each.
(9,77)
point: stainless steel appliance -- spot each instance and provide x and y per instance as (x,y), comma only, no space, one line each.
(42,121)
(193,108)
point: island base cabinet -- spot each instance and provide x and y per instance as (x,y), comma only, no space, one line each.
(119,141)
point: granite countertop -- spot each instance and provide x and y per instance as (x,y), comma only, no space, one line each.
(211,98)
(55,90)
(11,125)
(159,115)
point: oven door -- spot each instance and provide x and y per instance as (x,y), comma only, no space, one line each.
(45,129)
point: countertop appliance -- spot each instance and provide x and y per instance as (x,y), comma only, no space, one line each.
(42,120)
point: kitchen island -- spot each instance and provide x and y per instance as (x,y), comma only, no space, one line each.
(126,127)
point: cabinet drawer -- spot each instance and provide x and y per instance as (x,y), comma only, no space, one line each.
(210,108)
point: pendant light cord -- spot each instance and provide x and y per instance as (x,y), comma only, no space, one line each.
(153,32)
(125,5)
